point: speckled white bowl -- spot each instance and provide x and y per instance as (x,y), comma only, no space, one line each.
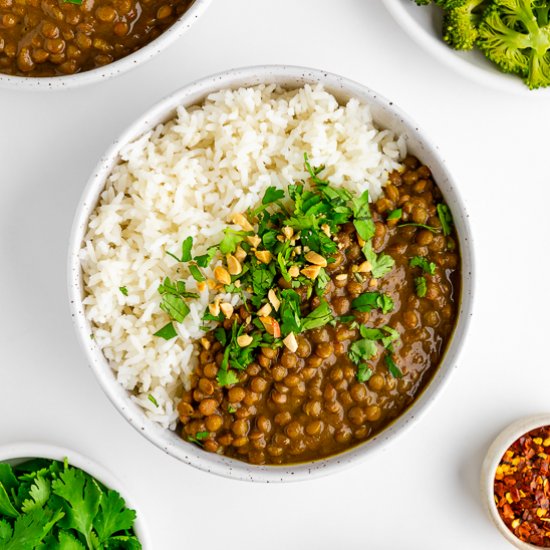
(15,453)
(423,25)
(496,451)
(113,69)
(386,114)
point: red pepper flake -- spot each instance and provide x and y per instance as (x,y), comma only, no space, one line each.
(522,487)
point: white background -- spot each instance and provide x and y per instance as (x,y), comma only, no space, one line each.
(421,492)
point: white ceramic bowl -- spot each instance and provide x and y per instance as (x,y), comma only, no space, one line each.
(385,114)
(495,453)
(113,69)
(16,453)
(423,25)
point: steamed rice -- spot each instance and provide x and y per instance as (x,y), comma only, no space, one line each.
(186,178)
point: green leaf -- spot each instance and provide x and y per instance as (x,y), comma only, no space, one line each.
(231,240)
(39,493)
(319,317)
(77,2)
(363,222)
(423,263)
(364,372)
(445,217)
(81,495)
(206,259)
(381,264)
(395,214)
(176,308)
(124,290)
(420,286)
(7,477)
(186,248)
(370,300)
(123,542)
(5,531)
(153,400)
(362,350)
(272,194)
(196,273)
(6,507)
(227,377)
(167,331)
(395,371)
(422,225)
(30,529)
(113,516)
(68,542)
(290,312)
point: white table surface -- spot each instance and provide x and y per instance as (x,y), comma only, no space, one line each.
(421,492)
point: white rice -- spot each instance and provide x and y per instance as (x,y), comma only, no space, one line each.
(187,177)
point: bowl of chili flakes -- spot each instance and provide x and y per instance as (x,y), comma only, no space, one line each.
(515,482)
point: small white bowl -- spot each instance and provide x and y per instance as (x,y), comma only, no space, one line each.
(386,115)
(494,455)
(15,453)
(423,25)
(115,68)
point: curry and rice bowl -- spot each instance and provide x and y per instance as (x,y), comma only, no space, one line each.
(271,275)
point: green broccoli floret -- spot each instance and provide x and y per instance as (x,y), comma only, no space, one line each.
(515,35)
(460,22)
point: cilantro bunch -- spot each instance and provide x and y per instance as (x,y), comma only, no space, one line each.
(51,505)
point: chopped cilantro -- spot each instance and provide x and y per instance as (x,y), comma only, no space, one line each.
(363,222)
(231,409)
(364,372)
(124,290)
(167,331)
(196,273)
(186,247)
(319,317)
(395,214)
(422,225)
(445,217)
(372,300)
(227,377)
(381,264)
(231,240)
(423,263)
(205,259)
(420,286)
(153,400)
(198,438)
(395,371)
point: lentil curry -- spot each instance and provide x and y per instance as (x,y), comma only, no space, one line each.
(346,313)
(47,38)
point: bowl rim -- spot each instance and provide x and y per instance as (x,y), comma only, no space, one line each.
(438,49)
(118,67)
(30,449)
(492,459)
(190,454)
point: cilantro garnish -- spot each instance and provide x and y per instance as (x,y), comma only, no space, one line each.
(395,214)
(445,217)
(167,331)
(186,247)
(422,225)
(153,400)
(372,300)
(173,299)
(198,438)
(363,222)
(420,286)
(381,264)
(123,290)
(53,505)
(423,263)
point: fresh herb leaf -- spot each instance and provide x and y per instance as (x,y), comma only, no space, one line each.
(196,273)
(231,240)
(362,350)
(227,377)
(113,516)
(371,300)
(206,259)
(290,312)
(77,2)
(422,225)
(423,263)
(6,507)
(445,217)
(124,290)
(381,264)
(395,214)
(231,409)
(319,317)
(364,372)
(420,286)
(39,494)
(363,222)
(395,371)
(186,248)
(198,438)
(153,400)
(176,308)
(272,194)
(167,331)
